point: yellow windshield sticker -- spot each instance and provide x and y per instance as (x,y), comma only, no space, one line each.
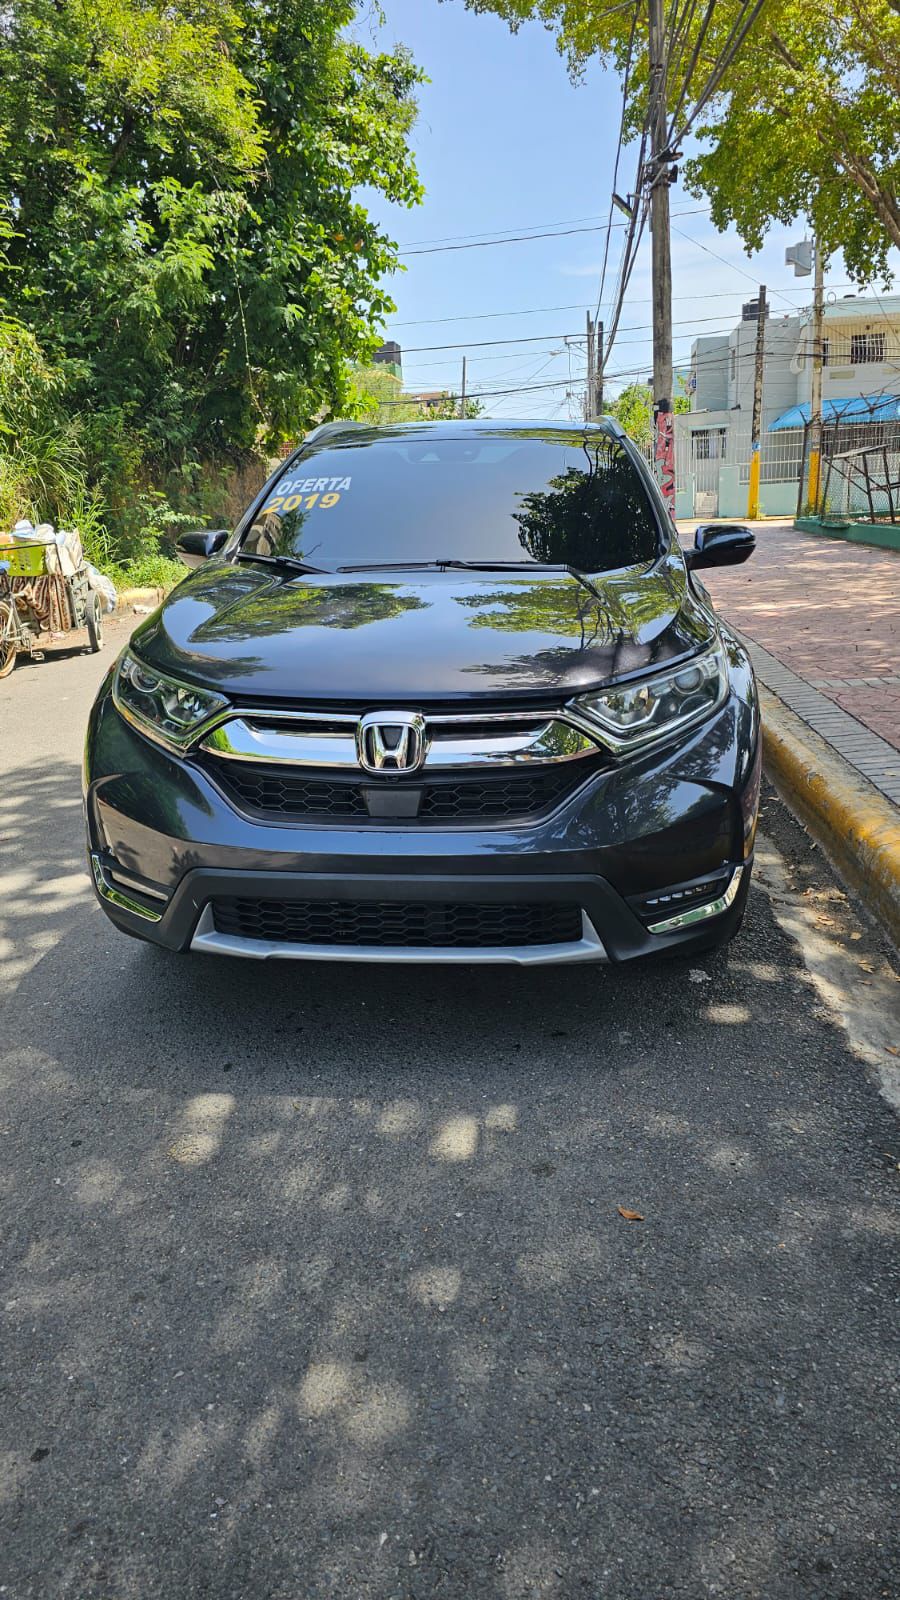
(295,494)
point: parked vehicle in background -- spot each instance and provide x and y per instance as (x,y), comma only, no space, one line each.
(449,692)
(47,590)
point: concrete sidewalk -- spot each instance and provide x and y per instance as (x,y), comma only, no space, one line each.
(822,622)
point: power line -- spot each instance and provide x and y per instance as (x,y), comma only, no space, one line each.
(488,233)
(526,238)
(679,38)
(723,61)
(533,311)
(577,340)
(725,262)
(477,344)
(557,383)
(692,63)
(615,176)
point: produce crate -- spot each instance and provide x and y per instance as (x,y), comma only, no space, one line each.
(25,560)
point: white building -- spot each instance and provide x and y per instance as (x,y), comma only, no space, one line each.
(861,357)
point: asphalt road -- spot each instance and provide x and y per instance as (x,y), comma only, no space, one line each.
(314,1283)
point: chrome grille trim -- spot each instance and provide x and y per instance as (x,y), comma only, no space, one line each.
(322,740)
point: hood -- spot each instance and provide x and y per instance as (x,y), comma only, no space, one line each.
(420,637)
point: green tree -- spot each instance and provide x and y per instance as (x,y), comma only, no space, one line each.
(804,123)
(633,408)
(377,396)
(810,126)
(182,225)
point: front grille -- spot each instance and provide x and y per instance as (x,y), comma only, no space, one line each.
(277,791)
(422,925)
(491,795)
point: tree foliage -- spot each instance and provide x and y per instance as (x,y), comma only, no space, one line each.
(811,126)
(805,122)
(378,396)
(182,225)
(633,408)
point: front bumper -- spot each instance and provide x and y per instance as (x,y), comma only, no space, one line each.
(609,928)
(166,846)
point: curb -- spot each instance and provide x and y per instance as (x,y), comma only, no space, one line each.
(878,536)
(857,826)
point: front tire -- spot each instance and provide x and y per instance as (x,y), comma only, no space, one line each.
(94,623)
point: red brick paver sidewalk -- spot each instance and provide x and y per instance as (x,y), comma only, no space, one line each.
(827,610)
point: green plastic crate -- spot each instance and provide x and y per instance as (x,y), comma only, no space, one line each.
(25,560)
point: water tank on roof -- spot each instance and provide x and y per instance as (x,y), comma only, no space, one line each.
(750,310)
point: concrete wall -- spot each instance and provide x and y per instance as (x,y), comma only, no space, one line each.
(709,365)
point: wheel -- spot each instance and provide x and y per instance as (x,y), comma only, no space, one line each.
(8,640)
(94,622)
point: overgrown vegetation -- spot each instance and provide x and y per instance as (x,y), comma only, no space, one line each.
(187,277)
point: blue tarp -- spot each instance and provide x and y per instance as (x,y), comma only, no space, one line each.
(877,408)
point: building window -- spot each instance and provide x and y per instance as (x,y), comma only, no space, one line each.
(826,346)
(733,362)
(708,444)
(866,347)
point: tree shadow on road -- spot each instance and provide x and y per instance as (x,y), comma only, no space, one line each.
(317,1285)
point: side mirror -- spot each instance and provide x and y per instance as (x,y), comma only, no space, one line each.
(196,547)
(720,544)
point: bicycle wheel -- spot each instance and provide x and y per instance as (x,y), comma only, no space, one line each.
(8,638)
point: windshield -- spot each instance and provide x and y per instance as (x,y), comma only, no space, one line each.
(373,496)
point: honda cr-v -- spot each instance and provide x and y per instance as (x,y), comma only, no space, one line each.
(448,692)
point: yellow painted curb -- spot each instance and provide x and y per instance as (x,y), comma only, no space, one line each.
(857,825)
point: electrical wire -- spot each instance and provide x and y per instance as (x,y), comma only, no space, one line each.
(726,263)
(691,67)
(488,233)
(630,247)
(615,177)
(533,311)
(526,238)
(679,37)
(712,358)
(723,61)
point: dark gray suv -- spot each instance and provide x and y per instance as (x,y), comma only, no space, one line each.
(449,692)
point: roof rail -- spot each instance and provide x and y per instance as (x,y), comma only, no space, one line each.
(323,430)
(613,426)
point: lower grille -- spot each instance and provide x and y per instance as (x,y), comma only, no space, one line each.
(417,925)
(499,795)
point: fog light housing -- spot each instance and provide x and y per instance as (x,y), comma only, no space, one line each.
(680,905)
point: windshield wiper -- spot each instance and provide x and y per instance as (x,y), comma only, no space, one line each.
(506,566)
(283,563)
(465,566)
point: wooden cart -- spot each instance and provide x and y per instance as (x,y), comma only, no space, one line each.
(38,607)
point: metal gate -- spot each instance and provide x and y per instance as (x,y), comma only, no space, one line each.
(707,455)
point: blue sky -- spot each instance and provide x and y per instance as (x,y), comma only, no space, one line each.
(505,142)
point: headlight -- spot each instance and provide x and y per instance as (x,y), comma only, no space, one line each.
(633,714)
(170,712)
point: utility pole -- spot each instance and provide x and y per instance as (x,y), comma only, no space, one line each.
(756,425)
(598,370)
(462,392)
(815,398)
(663,421)
(591,369)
